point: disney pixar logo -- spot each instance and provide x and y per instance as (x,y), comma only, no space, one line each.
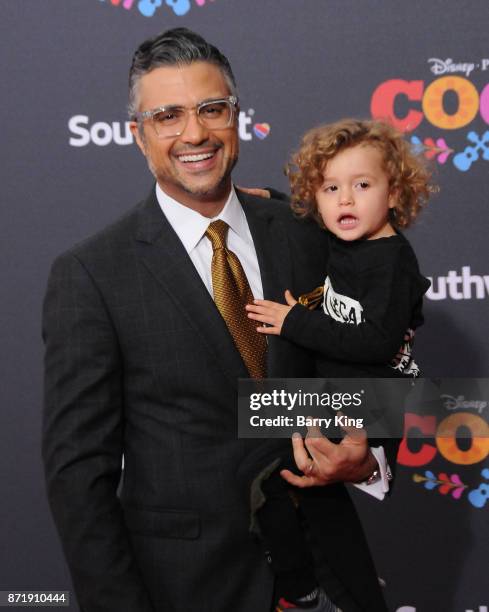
(449,66)
(148,8)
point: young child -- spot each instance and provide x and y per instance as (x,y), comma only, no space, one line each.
(362,182)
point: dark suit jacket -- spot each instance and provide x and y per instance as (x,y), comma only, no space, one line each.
(140,363)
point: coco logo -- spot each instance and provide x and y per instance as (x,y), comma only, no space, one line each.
(446,435)
(102,133)
(149,7)
(470,102)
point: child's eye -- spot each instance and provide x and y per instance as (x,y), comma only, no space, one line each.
(330,188)
(363,185)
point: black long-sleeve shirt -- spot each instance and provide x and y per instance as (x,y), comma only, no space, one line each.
(372,305)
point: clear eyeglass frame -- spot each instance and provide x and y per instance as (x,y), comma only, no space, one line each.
(168,132)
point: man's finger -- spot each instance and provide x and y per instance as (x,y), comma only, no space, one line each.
(300,481)
(321,450)
(313,431)
(356,434)
(319,447)
(301,455)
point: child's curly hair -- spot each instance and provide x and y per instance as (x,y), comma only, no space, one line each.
(409,175)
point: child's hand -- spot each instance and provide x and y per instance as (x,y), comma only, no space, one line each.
(271,313)
(256,191)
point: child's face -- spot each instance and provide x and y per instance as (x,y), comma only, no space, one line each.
(354,199)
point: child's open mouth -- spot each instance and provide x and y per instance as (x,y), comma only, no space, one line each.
(347,221)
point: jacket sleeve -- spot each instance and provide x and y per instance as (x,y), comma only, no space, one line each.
(384,293)
(82,441)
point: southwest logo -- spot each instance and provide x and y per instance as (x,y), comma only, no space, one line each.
(101,133)
(261,130)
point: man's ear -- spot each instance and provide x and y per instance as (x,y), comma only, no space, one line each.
(138,137)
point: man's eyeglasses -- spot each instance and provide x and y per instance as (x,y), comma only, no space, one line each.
(171,121)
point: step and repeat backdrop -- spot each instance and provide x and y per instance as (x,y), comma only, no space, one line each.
(69,167)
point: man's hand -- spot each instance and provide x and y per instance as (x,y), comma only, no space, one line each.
(324,462)
(271,313)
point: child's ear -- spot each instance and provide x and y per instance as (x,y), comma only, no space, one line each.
(393,198)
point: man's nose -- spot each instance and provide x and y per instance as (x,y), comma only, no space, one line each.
(194,131)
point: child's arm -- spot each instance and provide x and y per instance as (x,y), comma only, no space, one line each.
(272,314)
(387,306)
(369,342)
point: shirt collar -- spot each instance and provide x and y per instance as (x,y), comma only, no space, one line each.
(190,226)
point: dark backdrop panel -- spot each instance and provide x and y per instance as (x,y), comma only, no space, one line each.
(69,167)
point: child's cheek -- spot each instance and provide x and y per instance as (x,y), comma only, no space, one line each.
(327,217)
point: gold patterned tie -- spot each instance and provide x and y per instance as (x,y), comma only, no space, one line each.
(231,293)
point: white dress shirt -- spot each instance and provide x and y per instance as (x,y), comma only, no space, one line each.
(190,226)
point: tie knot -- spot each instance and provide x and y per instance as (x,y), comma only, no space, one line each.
(217,232)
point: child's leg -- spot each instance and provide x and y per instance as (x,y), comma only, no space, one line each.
(275,518)
(281,528)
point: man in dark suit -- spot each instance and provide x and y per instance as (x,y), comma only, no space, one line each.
(141,366)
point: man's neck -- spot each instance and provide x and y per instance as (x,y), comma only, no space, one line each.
(210,207)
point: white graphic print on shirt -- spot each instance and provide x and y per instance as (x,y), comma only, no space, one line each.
(403,361)
(341,307)
(344,309)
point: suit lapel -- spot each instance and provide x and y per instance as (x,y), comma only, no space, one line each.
(272,248)
(165,257)
(271,244)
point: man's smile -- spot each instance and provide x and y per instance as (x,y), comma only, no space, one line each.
(198,160)
(196,157)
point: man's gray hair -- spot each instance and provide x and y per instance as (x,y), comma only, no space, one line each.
(178,46)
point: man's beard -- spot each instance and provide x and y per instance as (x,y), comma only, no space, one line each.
(204,193)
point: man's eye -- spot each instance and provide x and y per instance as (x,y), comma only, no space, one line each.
(169,116)
(212,110)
